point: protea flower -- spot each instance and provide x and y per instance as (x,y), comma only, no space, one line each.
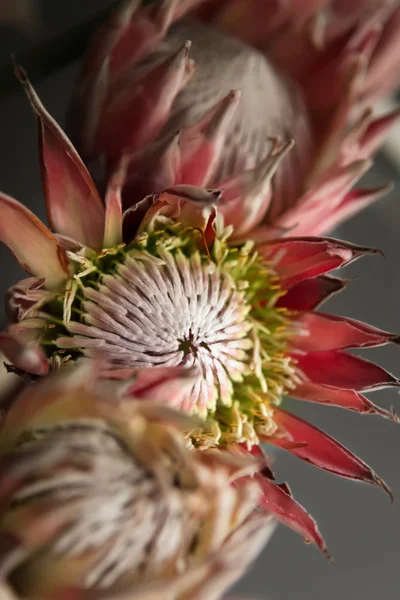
(100,498)
(174,291)
(263,74)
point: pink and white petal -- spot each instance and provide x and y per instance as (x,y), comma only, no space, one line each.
(348,399)
(33,245)
(352,203)
(144,30)
(74,207)
(136,114)
(298,258)
(377,131)
(247,196)
(29,358)
(319,449)
(345,371)
(314,209)
(152,169)
(113,217)
(311,293)
(202,144)
(321,331)
(90,93)
(167,386)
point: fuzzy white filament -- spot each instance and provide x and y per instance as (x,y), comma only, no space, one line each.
(169,311)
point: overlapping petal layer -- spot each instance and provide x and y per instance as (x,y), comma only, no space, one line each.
(263,73)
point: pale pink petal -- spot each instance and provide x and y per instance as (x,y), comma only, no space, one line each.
(113,217)
(246,197)
(73,204)
(202,144)
(137,113)
(32,244)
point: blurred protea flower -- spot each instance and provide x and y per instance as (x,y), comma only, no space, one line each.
(100,498)
(213,93)
(166,286)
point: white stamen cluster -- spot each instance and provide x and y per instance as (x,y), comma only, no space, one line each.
(169,310)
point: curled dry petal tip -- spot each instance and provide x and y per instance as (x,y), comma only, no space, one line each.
(382,484)
(195,194)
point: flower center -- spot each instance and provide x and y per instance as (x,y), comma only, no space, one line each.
(169,301)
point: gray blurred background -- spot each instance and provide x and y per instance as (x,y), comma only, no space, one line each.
(360,526)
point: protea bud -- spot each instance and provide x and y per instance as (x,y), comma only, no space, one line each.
(208,92)
(168,286)
(100,498)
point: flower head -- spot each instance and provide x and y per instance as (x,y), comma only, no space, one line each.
(210,93)
(101,494)
(165,286)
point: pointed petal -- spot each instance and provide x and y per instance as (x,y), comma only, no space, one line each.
(246,197)
(201,145)
(143,31)
(321,332)
(321,450)
(312,213)
(343,370)
(377,131)
(310,293)
(354,202)
(73,204)
(277,499)
(299,258)
(153,169)
(113,217)
(136,114)
(33,245)
(349,399)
